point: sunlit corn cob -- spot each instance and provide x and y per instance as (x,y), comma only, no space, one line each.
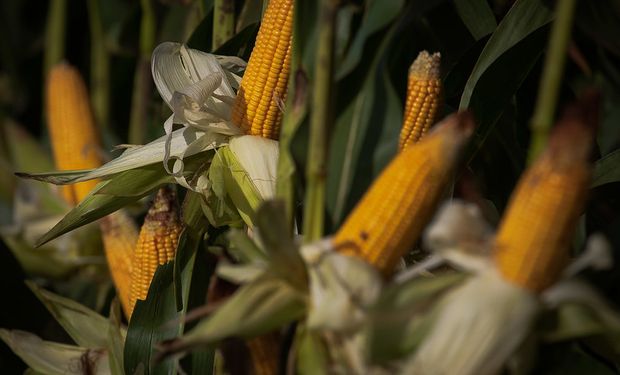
(156,244)
(390,217)
(265,354)
(263,86)
(119,239)
(423,98)
(532,244)
(73,134)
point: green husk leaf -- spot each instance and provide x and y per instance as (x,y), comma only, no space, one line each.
(93,207)
(256,308)
(240,274)
(402,316)
(570,321)
(312,356)
(228,178)
(278,243)
(86,327)
(244,248)
(55,359)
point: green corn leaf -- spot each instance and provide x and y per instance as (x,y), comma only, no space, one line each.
(86,327)
(402,316)
(255,308)
(477,16)
(52,358)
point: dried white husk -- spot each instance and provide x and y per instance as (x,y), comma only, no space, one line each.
(479,326)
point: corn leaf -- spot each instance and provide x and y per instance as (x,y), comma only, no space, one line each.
(311,353)
(151,323)
(523,19)
(278,243)
(477,16)
(55,359)
(506,60)
(378,15)
(244,247)
(229,179)
(93,207)
(255,308)
(350,169)
(116,339)
(606,169)
(160,317)
(136,157)
(86,327)
(402,316)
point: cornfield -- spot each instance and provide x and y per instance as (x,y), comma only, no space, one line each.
(310,187)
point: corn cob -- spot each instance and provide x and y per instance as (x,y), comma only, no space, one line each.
(119,239)
(256,108)
(73,134)
(531,247)
(156,244)
(423,98)
(391,215)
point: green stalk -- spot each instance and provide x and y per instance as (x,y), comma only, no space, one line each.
(142,76)
(314,208)
(223,22)
(55,35)
(100,66)
(553,71)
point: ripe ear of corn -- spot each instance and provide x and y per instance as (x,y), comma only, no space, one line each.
(532,244)
(119,240)
(423,98)
(263,86)
(389,218)
(73,134)
(156,244)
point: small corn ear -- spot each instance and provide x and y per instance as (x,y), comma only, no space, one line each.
(423,98)
(389,218)
(263,87)
(73,134)
(156,244)
(532,243)
(119,239)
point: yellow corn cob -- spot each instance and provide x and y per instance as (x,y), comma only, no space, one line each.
(156,244)
(423,98)
(391,215)
(265,353)
(119,239)
(73,134)
(531,247)
(256,108)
